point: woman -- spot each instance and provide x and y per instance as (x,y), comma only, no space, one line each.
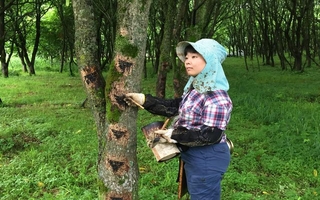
(203,113)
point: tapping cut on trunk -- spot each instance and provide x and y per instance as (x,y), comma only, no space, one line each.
(124,65)
(120,100)
(118,134)
(91,77)
(118,165)
(117,94)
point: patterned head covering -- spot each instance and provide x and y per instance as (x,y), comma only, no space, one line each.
(212,77)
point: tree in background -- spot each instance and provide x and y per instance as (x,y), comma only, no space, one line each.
(194,20)
(106,30)
(28,28)
(165,48)
(66,35)
(50,46)
(3,55)
(115,122)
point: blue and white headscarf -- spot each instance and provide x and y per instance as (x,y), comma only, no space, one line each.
(212,77)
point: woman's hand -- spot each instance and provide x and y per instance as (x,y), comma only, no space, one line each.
(165,136)
(135,99)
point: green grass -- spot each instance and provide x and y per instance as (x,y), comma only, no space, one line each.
(48,143)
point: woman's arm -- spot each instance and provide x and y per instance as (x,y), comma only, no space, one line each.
(159,106)
(205,136)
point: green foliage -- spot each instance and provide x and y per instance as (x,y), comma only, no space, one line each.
(48,143)
(56,31)
(51,36)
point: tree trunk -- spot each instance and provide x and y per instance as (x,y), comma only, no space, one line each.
(23,63)
(116,128)
(165,49)
(21,44)
(86,53)
(296,27)
(4,64)
(63,56)
(156,26)
(118,165)
(180,77)
(38,5)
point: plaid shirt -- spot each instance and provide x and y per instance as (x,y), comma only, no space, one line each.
(212,109)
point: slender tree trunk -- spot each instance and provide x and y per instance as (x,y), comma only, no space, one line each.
(180,77)
(165,49)
(3,55)
(21,44)
(37,37)
(156,21)
(23,63)
(63,52)
(4,64)
(64,40)
(71,62)
(88,64)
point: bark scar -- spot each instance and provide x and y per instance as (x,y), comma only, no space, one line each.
(118,133)
(124,65)
(90,77)
(118,165)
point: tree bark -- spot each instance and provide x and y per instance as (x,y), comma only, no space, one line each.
(118,165)
(156,26)
(88,64)
(165,49)
(3,54)
(115,121)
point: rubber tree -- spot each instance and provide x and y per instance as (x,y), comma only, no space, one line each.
(115,122)
(118,166)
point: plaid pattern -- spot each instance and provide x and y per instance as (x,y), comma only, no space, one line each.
(211,109)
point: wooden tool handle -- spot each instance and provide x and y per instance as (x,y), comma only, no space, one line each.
(140,106)
(165,124)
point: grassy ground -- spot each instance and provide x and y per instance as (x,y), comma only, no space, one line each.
(48,143)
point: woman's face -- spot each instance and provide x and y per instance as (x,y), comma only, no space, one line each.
(194,63)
